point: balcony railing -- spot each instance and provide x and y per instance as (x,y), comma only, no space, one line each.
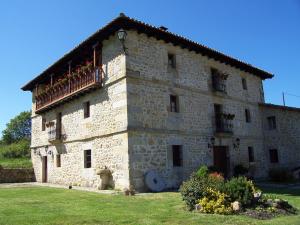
(219,83)
(53,134)
(224,123)
(69,86)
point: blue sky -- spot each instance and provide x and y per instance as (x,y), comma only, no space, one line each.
(34,34)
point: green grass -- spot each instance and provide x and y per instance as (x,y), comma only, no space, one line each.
(15,162)
(41,205)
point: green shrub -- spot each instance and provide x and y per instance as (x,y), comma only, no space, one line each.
(19,149)
(192,190)
(202,172)
(240,170)
(215,202)
(197,187)
(280,175)
(240,189)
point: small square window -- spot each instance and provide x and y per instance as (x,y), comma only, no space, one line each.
(87,158)
(250,154)
(171,60)
(86,109)
(273,156)
(247,116)
(174,103)
(58,161)
(244,83)
(177,155)
(43,123)
(272,122)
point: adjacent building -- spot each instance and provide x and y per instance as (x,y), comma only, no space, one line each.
(134,98)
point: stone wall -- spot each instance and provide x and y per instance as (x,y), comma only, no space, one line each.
(285,138)
(104,132)
(16,175)
(131,128)
(153,129)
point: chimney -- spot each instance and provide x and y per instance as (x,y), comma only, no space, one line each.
(163,28)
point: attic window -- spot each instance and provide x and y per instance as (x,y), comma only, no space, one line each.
(244,83)
(171,60)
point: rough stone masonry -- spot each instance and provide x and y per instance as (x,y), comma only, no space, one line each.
(133,127)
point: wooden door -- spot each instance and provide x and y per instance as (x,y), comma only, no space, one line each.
(221,159)
(44,169)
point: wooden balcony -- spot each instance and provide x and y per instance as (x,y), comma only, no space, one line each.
(67,89)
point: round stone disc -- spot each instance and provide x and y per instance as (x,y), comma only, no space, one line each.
(154,181)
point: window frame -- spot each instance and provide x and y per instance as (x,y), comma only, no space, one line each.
(247,116)
(177,156)
(244,84)
(87,158)
(58,160)
(44,123)
(251,157)
(273,154)
(86,109)
(272,125)
(174,103)
(171,60)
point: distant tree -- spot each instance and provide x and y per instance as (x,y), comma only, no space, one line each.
(18,128)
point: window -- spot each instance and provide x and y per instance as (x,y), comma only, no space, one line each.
(247,115)
(43,123)
(86,109)
(218,80)
(251,154)
(244,83)
(87,158)
(177,155)
(174,103)
(171,60)
(273,155)
(58,161)
(59,125)
(272,122)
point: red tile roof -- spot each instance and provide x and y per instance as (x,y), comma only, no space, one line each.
(128,23)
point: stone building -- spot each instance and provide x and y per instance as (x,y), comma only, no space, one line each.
(134,98)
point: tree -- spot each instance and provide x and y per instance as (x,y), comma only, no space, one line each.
(18,128)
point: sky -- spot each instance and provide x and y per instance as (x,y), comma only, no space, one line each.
(34,34)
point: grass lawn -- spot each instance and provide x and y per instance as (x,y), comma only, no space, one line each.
(41,205)
(15,163)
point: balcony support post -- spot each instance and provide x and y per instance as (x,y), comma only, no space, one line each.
(69,76)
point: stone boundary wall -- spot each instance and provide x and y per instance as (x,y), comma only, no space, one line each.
(17,175)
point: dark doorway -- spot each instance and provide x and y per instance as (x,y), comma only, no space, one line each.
(221,159)
(44,169)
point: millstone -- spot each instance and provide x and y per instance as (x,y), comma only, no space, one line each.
(154,181)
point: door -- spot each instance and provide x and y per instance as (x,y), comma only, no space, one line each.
(44,169)
(221,159)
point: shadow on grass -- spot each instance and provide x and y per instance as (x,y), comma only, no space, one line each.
(291,191)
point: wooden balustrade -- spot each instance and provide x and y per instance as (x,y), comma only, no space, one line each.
(68,87)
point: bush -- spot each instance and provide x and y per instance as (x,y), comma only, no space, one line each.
(192,190)
(19,149)
(197,186)
(202,172)
(280,175)
(240,170)
(215,202)
(240,189)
